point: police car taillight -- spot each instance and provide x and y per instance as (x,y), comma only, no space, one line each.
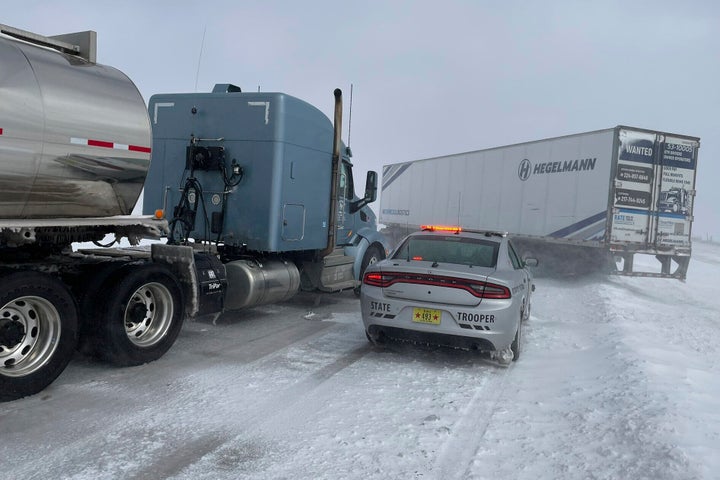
(491,290)
(377,279)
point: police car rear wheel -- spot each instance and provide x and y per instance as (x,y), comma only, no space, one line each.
(378,341)
(515,346)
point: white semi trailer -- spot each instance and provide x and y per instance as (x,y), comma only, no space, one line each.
(589,197)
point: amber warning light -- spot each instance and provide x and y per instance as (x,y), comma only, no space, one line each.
(441,228)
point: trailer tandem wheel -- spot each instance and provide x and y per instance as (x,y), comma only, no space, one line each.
(38,332)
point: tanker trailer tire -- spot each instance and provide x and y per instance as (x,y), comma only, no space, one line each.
(38,332)
(141,318)
(372,255)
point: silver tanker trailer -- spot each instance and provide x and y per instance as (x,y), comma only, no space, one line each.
(75,144)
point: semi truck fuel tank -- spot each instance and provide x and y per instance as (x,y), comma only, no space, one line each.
(252,282)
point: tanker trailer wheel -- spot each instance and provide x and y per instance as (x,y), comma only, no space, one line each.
(142,316)
(38,332)
(372,255)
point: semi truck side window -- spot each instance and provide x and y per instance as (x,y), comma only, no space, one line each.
(346,182)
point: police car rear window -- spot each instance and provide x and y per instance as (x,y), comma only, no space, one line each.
(449,249)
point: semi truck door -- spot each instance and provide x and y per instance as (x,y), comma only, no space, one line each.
(346,221)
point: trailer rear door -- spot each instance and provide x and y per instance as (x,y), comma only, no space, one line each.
(676,191)
(653,190)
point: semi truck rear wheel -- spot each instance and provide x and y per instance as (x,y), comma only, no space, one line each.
(38,332)
(141,318)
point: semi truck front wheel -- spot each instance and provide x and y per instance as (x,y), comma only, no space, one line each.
(372,255)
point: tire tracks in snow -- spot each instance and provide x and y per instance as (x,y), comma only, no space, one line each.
(136,440)
(466,435)
(263,414)
(584,406)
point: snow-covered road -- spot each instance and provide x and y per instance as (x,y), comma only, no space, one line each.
(619,379)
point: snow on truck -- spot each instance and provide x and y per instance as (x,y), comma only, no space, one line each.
(568,201)
(253,192)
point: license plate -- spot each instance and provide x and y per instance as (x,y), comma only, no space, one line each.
(427,315)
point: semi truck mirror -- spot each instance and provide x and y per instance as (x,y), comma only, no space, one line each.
(371,187)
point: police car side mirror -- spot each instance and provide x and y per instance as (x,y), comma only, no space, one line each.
(530,262)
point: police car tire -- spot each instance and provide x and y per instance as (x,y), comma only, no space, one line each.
(515,346)
(526,315)
(379,342)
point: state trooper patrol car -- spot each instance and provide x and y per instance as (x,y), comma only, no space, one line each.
(448,286)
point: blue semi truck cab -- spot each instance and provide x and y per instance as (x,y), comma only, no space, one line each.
(263,180)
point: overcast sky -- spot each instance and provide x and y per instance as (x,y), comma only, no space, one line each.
(431,77)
